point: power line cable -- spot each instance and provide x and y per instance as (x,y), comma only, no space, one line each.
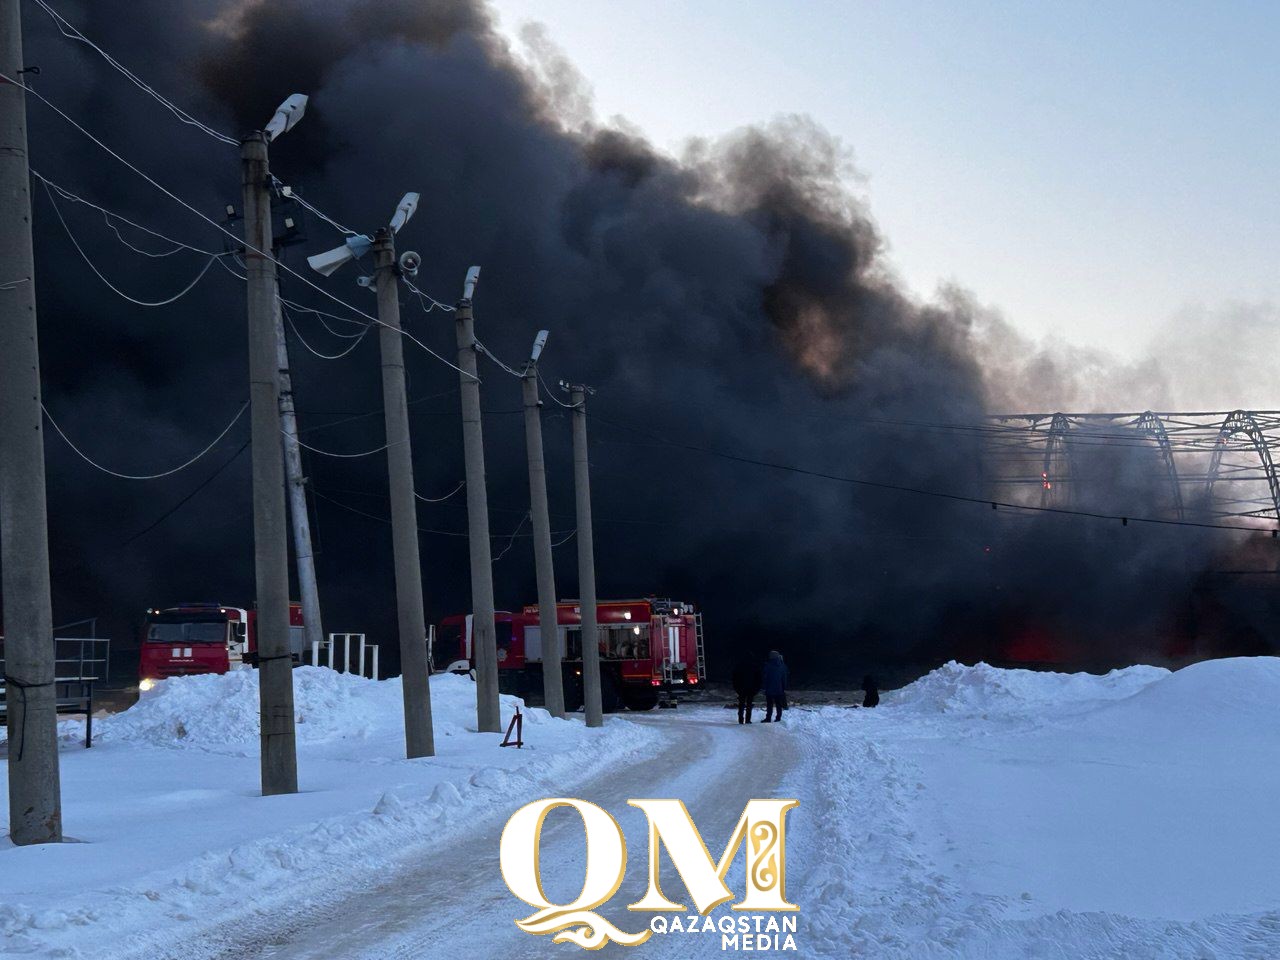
(547,390)
(71,33)
(511,543)
(320,315)
(323,356)
(155,476)
(921,491)
(424,299)
(351,418)
(345,456)
(109,215)
(111,286)
(219,227)
(279,185)
(492,356)
(461,484)
(443,533)
(185,500)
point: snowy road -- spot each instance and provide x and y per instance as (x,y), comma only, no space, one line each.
(978,814)
(436,901)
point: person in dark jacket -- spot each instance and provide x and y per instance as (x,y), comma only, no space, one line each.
(775,687)
(746,684)
(870,691)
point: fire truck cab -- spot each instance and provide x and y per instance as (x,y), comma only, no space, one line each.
(651,649)
(194,638)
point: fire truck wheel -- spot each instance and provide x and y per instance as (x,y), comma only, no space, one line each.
(641,699)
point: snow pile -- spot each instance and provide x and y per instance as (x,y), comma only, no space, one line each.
(984,691)
(1136,820)
(1230,700)
(213,712)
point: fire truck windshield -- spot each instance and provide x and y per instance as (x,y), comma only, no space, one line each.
(198,632)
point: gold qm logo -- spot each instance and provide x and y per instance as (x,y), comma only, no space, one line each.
(761,830)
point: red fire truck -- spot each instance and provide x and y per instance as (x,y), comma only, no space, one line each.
(650,650)
(204,638)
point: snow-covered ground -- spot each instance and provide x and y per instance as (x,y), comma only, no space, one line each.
(176,839)
(998,813)
(978,813)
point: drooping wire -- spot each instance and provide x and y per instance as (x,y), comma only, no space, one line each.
(547,389)
(219,227)
(427,301)
(443,533)
(320,315)
(155,476)
(480,347)
(222,262)
(276,182)
(512,542)
(71,33)
(323,356)
(111,286)
(461,484)
(345,456)
(109,215)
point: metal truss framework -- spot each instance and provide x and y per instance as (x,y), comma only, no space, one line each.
(1210,465)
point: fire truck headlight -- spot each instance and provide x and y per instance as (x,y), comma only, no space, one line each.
(146,684)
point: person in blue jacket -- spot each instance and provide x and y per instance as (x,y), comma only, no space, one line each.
(775,687)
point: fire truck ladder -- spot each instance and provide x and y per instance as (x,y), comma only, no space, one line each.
(702,656)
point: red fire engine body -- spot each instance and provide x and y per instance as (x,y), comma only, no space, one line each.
(204,638)
(649,649)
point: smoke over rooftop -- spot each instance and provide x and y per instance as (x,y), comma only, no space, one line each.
(735,298)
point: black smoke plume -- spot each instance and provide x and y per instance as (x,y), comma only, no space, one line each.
(733,299)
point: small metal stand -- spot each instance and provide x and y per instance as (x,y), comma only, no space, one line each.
(517,726)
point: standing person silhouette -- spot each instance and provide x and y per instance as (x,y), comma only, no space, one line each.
(746,684)
(870,691)
(775,687)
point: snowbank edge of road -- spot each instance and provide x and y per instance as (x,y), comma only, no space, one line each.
(874,889)
(308,863)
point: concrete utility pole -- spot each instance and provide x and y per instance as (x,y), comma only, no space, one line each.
(415,672)
(311,623)
(279,757)
(548,619)
(35,796)
(484,646)
(586,561)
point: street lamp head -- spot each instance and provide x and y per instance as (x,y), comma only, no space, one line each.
(408,204)
(469,287)
(286,115)
(539,342)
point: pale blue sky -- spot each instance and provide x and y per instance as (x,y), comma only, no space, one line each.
(1091,169)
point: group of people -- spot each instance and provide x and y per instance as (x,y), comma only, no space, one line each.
(750,676)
